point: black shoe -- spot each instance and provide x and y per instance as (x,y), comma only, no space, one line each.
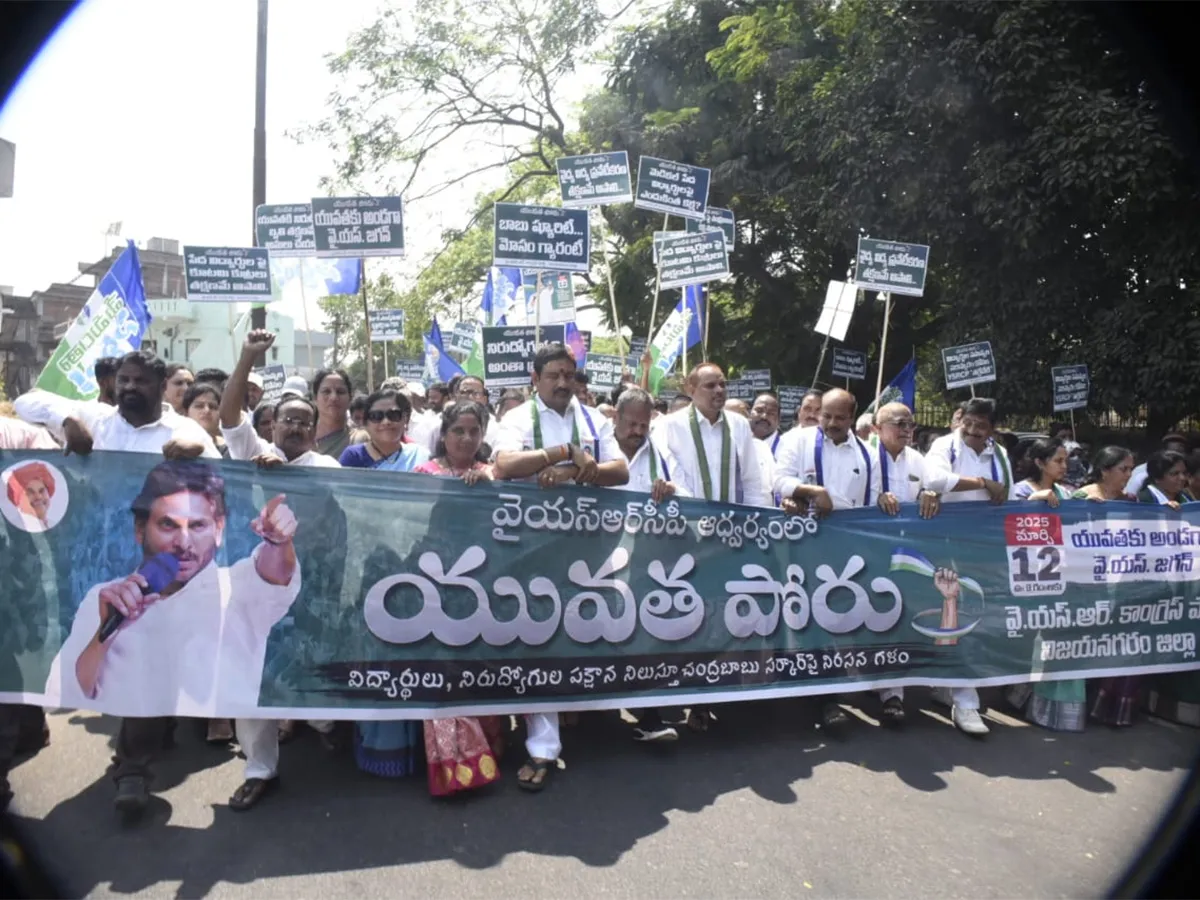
(834,717)
(132,796)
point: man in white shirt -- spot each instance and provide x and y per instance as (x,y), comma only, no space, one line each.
(821,470)
(899,477)
(808,413)
(764,422)
(295,429)
(966,465)
(716,452)
(762,452)
(552,439)
(650,469)
(141,424)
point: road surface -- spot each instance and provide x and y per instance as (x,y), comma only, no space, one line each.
(761,806)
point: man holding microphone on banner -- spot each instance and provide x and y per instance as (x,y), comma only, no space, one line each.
(554,440)
(968,464)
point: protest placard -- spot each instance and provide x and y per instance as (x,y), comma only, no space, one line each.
(968,364)
(741,389)
(604,371)
(462,338)
(358,227)
(508,353)
(411,369)
(594,179)
(1059,598)
(556,305)
(759,378)
(790,398)
(541,238)
(286,229)
(1071,387)
(387,325)
(716,219)
(672,188)
(849,363)
(692,259)
(273,378)
(227,274)
(637,346)
(834,320)
(656,241)
(891,266)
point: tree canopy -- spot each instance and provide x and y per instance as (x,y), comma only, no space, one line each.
(1019,140)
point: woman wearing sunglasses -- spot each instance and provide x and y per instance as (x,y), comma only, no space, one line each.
(388,414)
(390,749)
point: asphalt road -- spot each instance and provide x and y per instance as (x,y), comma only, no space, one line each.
(761,806)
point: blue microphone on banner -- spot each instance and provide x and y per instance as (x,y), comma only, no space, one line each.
(159,571)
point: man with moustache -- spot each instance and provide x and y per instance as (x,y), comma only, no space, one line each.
(555,440)
(965,465)
(718,459)
(808,413)
(824,469)
(140,424)
(899,478)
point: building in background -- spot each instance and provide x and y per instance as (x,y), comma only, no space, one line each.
(197,334)
(322,346)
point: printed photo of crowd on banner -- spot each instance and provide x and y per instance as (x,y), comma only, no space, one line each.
(515,531)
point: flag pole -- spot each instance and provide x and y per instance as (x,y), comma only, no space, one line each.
(887,315)
(537,310)
(367,325)
(707,316)
(304,306)
(683,369)
(820,362)
(612,290)
(657,281)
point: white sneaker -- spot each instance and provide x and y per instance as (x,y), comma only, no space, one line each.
(968,721)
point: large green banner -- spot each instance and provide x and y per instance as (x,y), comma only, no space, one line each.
(360,594)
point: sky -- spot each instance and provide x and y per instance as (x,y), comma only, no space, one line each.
(142,112)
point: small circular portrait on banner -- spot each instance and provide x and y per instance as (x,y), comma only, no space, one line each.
(33,496)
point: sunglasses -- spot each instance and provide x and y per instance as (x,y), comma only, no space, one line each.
(378,415)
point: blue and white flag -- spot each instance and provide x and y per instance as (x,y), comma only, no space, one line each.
(310,279)
(500,294)
(112,323)
(439,365)
(901,389)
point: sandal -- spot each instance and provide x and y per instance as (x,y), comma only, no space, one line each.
(535,773)
(286,730)
(251,791)
(893,711)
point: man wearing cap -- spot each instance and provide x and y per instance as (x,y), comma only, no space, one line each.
(294,386)
(254,391)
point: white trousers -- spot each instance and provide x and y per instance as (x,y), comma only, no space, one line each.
(259,739)
(542,739)
(962,697)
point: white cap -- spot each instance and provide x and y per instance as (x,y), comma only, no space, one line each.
(416,389)
(295,385)
(255,379)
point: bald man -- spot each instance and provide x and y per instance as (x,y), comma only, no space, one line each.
(824,469)
(899,477)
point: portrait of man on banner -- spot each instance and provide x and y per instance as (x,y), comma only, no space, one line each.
(182,634)
(34,496)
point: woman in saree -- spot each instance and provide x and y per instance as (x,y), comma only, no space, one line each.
(1116,697)
(461,752)
(391,749)
(332,389)
(1056,705)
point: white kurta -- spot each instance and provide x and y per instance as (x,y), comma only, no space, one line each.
(641,478)
(949,458)
(745,473)
(905,473)
(846,468)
